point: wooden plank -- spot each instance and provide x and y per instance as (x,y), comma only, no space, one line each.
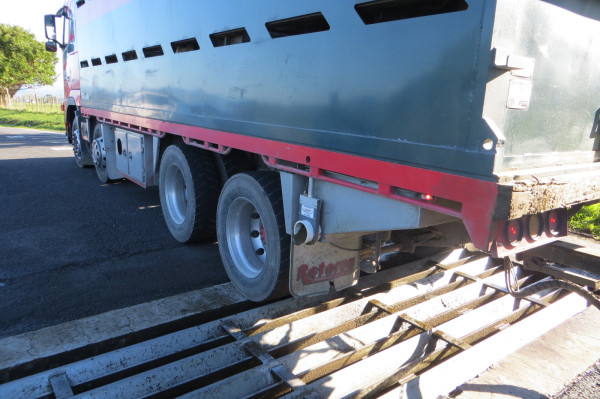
(445,377)
(343,346)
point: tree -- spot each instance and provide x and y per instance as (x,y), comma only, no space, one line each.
(23,60)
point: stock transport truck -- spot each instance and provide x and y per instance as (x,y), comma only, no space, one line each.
(313,137)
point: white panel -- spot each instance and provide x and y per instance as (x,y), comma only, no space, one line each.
(121,151)
(135,145)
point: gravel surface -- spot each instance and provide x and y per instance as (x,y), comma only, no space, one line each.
(586,385)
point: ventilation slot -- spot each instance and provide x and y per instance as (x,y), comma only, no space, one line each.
(111,59)
(129,55)
(96,61)
(84,64)
(154,51)
(183,46)
(298,25)
(374,12)
(230,37)
(80,3)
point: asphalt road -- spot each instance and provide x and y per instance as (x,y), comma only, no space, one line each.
(71,246)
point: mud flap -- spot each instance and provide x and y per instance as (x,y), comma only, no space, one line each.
(314,267)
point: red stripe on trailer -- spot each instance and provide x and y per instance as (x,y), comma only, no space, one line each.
(478,197)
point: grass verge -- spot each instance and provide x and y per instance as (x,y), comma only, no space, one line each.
(33,120)
(587,220)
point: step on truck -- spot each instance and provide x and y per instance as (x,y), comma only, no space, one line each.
(313,137)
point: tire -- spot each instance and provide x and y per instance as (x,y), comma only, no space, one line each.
(231,164)
(254,246)
(80,147)
(69,134)
(99,154)
(189,191)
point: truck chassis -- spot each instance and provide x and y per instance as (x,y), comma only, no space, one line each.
(303,194)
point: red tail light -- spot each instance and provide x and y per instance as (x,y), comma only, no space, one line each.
(514,231)
(529,231)
(553,223)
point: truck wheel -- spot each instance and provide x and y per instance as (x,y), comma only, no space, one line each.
(99,154)
(80,150)
(252,239)
(189,191)
(231,164)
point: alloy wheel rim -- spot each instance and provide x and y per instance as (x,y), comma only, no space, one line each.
(246,237)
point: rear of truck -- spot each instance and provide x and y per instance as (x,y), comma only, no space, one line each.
(542,102)
(372,125)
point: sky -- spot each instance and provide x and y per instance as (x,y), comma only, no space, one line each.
(29,14)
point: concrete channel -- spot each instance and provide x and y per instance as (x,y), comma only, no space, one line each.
(420,329)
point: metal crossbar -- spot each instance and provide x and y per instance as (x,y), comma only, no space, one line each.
(258,352)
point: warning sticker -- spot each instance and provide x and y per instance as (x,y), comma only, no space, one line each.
(519,94)
(307,212)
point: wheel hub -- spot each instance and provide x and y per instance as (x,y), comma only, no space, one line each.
(76,144)
(99,153)
(246,237)
(176,194)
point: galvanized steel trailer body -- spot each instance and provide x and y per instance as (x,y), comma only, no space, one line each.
(410,91)
(482,110)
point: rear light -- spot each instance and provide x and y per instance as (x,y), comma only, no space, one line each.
(514,232)
(535,227)
(530,230)
(553,223)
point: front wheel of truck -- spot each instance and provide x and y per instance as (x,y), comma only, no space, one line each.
(251,232)
(189,191)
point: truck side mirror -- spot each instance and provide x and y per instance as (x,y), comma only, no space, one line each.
(50,24)
(51,46)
